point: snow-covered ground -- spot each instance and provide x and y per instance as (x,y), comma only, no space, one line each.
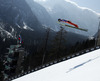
(82,68)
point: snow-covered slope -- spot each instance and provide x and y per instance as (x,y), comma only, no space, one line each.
(66,9)
(4,33)
(82,68)
(16,16)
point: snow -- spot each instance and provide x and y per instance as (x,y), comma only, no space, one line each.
(18,25)
(91,38)
(3,31)
(12,29)
(16,18)
(26,27)
(4,39)
(82,68)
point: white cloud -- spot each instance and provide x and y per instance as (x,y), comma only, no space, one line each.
(81,7)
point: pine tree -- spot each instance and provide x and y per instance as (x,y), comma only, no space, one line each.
(1,69)
(58,45)
(45,46)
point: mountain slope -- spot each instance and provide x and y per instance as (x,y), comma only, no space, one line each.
(15,16)
(41,13)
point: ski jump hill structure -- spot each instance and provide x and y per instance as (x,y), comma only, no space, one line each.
(82,68)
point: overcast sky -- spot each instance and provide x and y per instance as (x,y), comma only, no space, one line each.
(92,4)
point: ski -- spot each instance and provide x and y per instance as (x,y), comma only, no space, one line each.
(73,27)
